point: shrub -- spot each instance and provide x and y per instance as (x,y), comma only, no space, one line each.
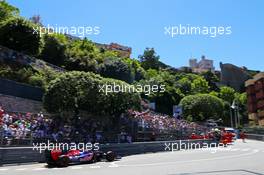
(202,107)
(19,34)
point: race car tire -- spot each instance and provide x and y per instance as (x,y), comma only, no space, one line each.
(94,159)
(63,161)
(51,164)
(110,156)
(97,157)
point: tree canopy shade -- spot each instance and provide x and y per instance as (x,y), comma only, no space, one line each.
(117,69)
(54,49)
(83,90)
(19,34)
(202,107)
(212,79)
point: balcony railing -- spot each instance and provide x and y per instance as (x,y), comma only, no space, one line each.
(259,86)
(251,99)
(260,104)
(250,90)
(260,94)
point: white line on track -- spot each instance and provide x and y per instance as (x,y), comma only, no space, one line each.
(235,149)
(39,169)
(95,166)
(3,169)
(76,167)
(246,149)
(255,150)
(113,165)
(21,169)
(189,161)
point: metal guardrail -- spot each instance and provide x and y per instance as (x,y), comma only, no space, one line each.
(19,155)
(254,130)
(259,137)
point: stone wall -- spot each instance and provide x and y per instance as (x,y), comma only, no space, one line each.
(233,76)
(9,55)
(17,104)
(13,88)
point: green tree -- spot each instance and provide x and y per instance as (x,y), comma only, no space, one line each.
(54,50)
(151,73)
(117,69)
(149,59)
(115,103)
(227,94)
(185,85)
(7,11)
(19,34)
(167,93)
(165,100)
(212,79)
(69,89)
(214,93)
(82,56)
(241,100)
(83,89)
(202,107)
(199,85)
(138,72)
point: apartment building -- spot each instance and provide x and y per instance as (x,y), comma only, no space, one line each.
(255,99)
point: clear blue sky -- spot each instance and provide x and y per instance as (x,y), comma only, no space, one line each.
(140,24)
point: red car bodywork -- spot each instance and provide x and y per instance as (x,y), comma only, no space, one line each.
(227,138)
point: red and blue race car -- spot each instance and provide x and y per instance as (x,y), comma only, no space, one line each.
(62,158)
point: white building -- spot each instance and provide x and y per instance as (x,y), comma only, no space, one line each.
(203,65)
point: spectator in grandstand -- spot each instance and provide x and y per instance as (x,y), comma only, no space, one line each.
(161,123)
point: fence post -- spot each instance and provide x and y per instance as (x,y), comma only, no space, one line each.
(31,138)
(2,136)
(1,156)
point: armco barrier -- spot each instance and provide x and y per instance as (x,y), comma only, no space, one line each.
(259,137)
(125,149)
(19,155)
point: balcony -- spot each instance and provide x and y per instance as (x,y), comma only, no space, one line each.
(260,94)
(260,104)
(259,85)
(252,116)
(261,114)
(250,90)
(252,108)
(251,99)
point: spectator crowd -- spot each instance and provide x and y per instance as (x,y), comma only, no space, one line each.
(40,127)
(149,120)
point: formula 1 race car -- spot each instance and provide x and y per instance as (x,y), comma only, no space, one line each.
(62,158)
(227,138)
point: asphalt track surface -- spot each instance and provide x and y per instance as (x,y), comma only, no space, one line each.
(238,159)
